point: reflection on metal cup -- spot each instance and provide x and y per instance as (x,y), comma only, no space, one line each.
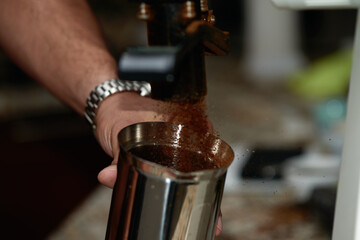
(152,201)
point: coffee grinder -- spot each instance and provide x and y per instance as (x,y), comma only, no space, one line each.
(179,34)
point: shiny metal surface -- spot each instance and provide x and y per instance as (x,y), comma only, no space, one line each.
(153,202)
(108,88)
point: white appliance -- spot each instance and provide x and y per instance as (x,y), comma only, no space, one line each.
(347,212)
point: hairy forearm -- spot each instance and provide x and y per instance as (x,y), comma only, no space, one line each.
(58,43)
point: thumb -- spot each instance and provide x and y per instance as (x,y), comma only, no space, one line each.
(107,176)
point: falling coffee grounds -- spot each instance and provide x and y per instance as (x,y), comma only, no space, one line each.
(193,116)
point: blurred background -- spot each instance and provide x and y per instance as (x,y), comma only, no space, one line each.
(279,99)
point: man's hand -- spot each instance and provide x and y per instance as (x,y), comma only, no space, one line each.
(117,112)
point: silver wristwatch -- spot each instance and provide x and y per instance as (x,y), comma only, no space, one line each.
(109,88)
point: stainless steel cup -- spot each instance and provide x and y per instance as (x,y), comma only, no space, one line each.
(154,202)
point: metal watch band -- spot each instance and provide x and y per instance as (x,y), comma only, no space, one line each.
(109,88)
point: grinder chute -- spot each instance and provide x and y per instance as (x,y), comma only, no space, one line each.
(180,33)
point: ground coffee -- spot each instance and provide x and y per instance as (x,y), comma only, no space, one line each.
(191,115)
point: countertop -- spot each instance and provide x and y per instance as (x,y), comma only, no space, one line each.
(247,215)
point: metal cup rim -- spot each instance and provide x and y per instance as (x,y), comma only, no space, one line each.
(132,132)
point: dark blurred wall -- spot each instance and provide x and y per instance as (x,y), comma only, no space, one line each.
(325,31)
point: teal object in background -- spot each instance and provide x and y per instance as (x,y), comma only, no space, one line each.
(330,119)
(330,112)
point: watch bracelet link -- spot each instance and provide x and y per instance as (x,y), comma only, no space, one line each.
(108,88)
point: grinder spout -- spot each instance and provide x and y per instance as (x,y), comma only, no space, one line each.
(180,33)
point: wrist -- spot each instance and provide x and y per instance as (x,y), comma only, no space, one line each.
(99,73)
(109,88)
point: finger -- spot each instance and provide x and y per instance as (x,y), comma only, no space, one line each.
(107,176)
(219,226)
